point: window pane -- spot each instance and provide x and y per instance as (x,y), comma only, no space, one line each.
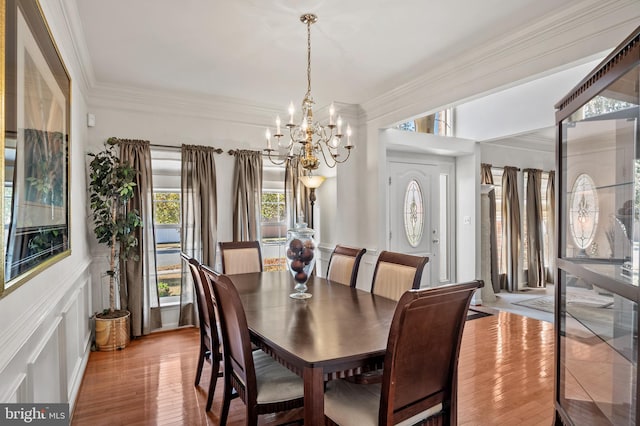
(444,228)
(167,227)
(413,213)
(274,220)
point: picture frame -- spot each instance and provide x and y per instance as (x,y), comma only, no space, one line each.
(35,140)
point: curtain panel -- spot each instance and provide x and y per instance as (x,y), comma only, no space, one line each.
(138,280)
(536,275)
(486,178)
(199,205)
(295,193)
(247,203)
(510,228)
(551,227)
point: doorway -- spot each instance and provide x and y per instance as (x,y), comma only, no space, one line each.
(421,212)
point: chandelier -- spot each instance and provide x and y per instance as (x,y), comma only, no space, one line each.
(309,140)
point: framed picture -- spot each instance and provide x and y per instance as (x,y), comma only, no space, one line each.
(37,93)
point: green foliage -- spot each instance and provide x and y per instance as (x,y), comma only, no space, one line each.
(111,186)
(166,208)
(163,289)
(273,207)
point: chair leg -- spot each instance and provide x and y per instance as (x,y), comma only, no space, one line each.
(215,369)
(226,401)
(201,356)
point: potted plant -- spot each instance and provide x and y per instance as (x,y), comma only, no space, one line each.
(111,184)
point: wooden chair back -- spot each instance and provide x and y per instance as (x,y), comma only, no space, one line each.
(209,339)
(236,342)
(241,257)
(204,300)
(395,273)
(421,361)
(344,264)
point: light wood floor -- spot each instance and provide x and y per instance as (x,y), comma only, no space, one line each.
(505,378)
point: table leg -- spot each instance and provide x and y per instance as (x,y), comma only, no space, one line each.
(313,396)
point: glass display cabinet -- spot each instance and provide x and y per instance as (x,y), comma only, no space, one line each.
(598,239)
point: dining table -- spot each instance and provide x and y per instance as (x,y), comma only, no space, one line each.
(339,332)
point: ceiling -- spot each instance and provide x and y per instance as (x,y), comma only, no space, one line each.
(256,51)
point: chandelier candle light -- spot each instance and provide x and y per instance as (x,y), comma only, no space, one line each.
(327,137)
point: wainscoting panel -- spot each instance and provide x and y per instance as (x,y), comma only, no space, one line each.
(45,352)
(45,371)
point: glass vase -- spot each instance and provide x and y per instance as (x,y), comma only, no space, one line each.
(301,258)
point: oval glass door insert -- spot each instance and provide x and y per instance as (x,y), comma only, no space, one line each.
(413,213)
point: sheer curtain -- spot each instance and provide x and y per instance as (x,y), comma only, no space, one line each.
(535,237)
(295,193)
(551,226)
(247,183)
(138,280)
(510,228)
(199,219)
(486,177)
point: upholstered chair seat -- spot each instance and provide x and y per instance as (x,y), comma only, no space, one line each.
(275,383)
(348,403)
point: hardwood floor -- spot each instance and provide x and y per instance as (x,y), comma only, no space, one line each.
(505,378)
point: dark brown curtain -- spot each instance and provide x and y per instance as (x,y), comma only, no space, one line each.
(551,226)
(138,280)
(247,183)
(199,219)
(486,178)
(296,195)
(535,237)
(510,228)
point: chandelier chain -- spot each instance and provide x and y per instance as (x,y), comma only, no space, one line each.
(308,58)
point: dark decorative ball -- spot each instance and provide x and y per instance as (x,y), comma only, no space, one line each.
(306,255)
(297,265)
(296,246)
(300,277)
(291,255)
(309,244)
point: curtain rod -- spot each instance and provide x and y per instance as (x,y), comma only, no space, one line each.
(264,154)
(178,148)
(518,169)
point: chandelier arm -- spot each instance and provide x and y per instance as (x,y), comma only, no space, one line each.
(324,157)
(268,151)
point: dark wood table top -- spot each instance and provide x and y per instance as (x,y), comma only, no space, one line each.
(337,327)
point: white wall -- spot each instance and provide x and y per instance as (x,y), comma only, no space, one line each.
(519,109)
(45,334)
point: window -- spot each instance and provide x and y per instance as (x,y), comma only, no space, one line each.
(439,123)
(166,218)
(274,219)
(166,166)
(413,213)
(497,180)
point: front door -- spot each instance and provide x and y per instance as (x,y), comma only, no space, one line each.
(419,210)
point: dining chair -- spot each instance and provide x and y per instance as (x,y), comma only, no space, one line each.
(344,264)
(241,257)
(264,385)
(209,339)
(396,273)
(420,365)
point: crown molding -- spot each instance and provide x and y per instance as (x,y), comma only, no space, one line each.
(562,37)
(226,109)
